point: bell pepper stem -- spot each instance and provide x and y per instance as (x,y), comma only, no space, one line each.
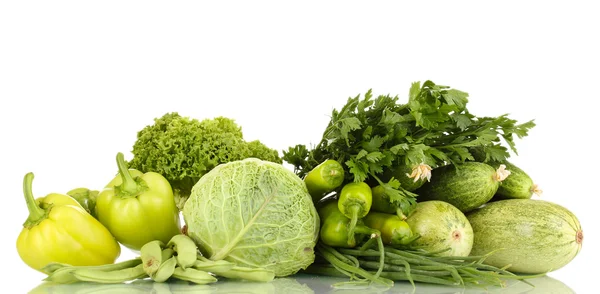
(129,185)
(35,212)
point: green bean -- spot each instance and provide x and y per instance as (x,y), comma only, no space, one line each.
(186,249)
(151,255)
(62,273)
(353,259)
(251,274)
(357,270)
(118,276)
(396,268)
(216,267)
(398,276)
(337,254)
(426,267)
(193,275)
(395,276)
(165,271)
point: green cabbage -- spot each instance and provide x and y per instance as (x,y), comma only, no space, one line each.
(254,213)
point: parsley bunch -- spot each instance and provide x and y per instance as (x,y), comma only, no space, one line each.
(370,135)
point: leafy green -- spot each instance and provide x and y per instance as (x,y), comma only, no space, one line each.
(255,214)
(184,149)
(372,134)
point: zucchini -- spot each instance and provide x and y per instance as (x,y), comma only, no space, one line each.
(441,226)
(533,236)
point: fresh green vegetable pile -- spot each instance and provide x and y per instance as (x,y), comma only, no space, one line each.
(419,190)
(416,175)
(376,136)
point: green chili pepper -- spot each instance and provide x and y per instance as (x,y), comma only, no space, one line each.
(335,225)
(138,208)
(324,178)
(394,231)
(381,203)
(355,202)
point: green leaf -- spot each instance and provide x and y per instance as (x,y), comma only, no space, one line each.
(396,149)
(522,130)
(463,153)
(358,169)
(375,168)
(368,131)
(462,121)
(415,90)
(415,154)
(433,152)
(456,97)
(373,144)
(375,156)
(496,153)
(389,119)
(362,153)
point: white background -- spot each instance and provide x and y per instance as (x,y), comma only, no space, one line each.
(79,79)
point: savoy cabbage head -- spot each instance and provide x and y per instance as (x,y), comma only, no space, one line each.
(254,213)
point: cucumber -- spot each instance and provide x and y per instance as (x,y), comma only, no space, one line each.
(518,185)
(533,236)
(466,186)
(403,174)
(441,226)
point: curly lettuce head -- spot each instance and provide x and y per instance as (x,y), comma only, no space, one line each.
(254,213)
(183,149)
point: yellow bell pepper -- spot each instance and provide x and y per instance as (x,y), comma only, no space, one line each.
(58,229)
(138,207)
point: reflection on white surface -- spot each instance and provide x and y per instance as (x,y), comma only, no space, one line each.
(299,284)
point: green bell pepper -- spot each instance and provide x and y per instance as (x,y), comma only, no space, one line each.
(138,207)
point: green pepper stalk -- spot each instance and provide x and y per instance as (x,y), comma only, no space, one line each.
(394,231)
(324,178)
(355,202)
(138,208)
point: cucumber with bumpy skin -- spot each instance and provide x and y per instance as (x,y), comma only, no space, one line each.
(518,185)
(466,186)
(410,178)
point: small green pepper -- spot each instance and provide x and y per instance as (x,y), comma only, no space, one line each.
(394,231)
(335,225)
(355,202)
(324,178)
(381,203)
(138,208)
